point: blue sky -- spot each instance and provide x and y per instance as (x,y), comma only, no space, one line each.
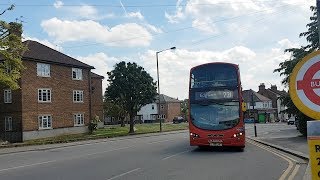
(251,33)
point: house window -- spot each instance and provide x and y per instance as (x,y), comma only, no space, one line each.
(44,95)
(76,74)
(45,122)
(7,96)
(78,119)
(8,123)
(270,104)
(152,107)
(77,96)
(43,70)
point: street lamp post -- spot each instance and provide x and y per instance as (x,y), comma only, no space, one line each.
(172,48)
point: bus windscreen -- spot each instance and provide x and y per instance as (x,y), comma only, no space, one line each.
(213,76)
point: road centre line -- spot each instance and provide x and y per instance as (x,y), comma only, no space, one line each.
(123,174)
(168,157)
(289,160)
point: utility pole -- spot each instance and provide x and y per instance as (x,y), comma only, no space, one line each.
(254,120)
(318,18)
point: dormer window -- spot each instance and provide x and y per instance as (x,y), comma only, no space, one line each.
(43,70)
(76,74)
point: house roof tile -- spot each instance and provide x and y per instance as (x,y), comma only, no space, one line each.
(41,53)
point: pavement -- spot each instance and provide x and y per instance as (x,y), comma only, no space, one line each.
(292,143)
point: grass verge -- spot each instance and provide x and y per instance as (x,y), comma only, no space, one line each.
(106,132)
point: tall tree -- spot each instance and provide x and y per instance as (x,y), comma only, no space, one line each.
(286,67)
(111,109)
(11,49)
(131,87)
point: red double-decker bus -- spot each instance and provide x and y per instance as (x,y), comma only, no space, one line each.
(215,106)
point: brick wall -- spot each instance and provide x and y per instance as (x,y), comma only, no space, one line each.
(173,109)
(97,102)
(61,107)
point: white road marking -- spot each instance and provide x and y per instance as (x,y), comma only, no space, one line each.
(28,165)
(123,174)
(175,155)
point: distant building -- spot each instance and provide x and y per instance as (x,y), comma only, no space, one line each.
(275,95)
(261,109)
(169,108)
(58,95)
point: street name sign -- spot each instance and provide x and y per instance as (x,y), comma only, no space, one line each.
(304,85)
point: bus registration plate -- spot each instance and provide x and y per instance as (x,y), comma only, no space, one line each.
(215,142)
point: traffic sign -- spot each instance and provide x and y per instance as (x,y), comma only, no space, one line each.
(304,85)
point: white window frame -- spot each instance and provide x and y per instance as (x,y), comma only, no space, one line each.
(78,119)
(48,95)
(43,70)
(78,74)
(77,93)
(45,121)
(8,123)
(7,95)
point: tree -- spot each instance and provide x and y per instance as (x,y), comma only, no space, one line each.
(286,67)
(184,109)
(114,110)
(11,49)
(130,87)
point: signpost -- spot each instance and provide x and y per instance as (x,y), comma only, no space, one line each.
(304,88)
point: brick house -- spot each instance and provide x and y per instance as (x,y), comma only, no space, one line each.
(58,95)
(169,108)
(274,94)
(262,110)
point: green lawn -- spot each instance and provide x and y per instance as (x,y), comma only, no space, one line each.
(109,132)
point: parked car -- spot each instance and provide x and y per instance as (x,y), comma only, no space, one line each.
(291,120)
(178,119)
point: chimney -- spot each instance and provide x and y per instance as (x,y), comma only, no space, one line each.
(15,28)
(274,87)
(262,87)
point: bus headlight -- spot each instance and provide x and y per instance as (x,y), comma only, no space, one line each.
(237,134)
(194,135)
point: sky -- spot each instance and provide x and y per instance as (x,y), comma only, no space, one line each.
(250,33)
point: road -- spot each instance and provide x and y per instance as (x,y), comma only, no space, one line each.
(161,157)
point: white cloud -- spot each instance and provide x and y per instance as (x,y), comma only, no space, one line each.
(205,25)
(210,11)
(136,15)
(102,63)
(58,4)
(174,67)
(128,35)
(178,15)
(153,28)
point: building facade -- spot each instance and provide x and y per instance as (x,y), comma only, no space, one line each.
(275,95)
(58,95)
(169,108)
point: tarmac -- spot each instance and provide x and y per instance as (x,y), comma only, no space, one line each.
(295,145)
